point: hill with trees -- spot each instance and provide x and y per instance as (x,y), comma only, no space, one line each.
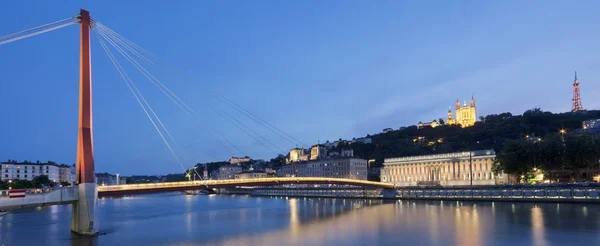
(490,132)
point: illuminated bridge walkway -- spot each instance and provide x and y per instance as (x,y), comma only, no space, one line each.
(115,190)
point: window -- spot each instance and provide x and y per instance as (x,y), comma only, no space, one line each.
(18,171)
(25,175)
(6,175)
(25,171)
(18,176)
(46,171)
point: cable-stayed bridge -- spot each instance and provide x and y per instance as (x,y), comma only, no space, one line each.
(84,195)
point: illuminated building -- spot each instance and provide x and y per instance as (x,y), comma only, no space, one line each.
(589,124)
(348,167)
(433,124)
(295,155)
(442,169)
(466,115)
(450,120)
(251,174)
(317,152)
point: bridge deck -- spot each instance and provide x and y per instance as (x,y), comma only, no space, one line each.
(210,184)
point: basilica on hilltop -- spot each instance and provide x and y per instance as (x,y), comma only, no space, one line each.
(465,116)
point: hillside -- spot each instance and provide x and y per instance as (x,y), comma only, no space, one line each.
(490,132)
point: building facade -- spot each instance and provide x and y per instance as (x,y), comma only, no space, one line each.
(109,179)
(590,124)
(443,169)
(351,168)
(466,115)
(236,160)
(296,154)
(12,170)
(229,171)
(432,124)
(66,174)
(317,152)
(251,174)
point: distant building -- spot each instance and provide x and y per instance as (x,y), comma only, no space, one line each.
(386,130)
(109,179)
(65,175)
(364,140)
(13,170)
(347,153)
(296,154)
(442,169)
(432,124)
(229,171)
(590,124)
(465,115)
(317,152)
(351,168)
(236,160)
(251,174)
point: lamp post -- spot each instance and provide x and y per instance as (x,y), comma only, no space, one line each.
(562,134)
(117,179)
(10,184)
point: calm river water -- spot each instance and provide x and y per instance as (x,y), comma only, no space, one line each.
(177,219)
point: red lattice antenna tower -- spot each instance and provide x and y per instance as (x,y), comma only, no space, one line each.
(576,99)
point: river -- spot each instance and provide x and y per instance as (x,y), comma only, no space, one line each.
(177,219)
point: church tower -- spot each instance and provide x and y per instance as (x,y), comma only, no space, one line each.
(450,120)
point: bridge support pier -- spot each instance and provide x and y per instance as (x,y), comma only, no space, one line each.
(84,210)
(388,193)
(83,219)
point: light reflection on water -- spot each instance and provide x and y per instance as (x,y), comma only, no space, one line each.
(175,219)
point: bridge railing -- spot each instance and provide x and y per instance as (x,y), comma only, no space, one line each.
(5,193)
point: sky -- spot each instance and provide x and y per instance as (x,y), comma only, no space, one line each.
(318,70)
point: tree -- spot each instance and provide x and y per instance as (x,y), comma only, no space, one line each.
(40,181)
(441,121)
(64,183)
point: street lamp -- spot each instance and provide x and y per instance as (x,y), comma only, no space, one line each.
(10,184)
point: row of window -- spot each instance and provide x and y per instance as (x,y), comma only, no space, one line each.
(476,176)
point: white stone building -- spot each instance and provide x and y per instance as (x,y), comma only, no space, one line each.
(443,169)
(12,170)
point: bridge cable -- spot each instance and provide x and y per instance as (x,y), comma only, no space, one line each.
(37,27)
(159,84)
(151,110)
(156,82)
(128,80)
(232,104)
(250,129)
(130,59)
(35,33)
(244,130)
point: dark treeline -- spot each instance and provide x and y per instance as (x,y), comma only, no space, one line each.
(37,182)
(572,154)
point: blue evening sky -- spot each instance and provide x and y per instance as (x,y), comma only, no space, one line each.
(320,70)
